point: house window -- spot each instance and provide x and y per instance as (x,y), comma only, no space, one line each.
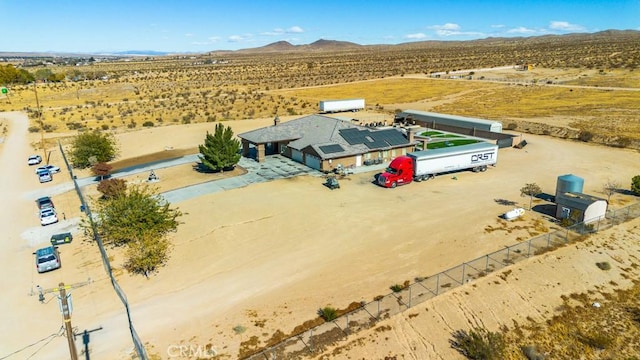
(566,212)
(283,149)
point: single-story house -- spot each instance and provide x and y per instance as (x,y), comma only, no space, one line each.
(580,207)
(322,142)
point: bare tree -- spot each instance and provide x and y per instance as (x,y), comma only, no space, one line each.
(610,188)
(530,190)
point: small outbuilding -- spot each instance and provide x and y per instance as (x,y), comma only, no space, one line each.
(580,207)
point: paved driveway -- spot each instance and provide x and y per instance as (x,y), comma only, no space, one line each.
(274,167)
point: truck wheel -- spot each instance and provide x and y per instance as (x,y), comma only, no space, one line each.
(394,184)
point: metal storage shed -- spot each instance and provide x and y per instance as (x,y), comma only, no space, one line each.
(580,207)
(425,118)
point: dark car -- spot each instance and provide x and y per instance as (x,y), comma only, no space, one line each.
(44,202)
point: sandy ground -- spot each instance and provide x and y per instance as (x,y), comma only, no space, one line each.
(267,256)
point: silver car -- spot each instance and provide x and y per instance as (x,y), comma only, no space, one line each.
(47,259)
(44,176)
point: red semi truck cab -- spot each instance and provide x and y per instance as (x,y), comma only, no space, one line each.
(399,172)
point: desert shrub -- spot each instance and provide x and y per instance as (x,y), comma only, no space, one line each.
(148,124)
(479,344)
(512,126)
(585,136)
(396,287)
(635,184)
(603,265)
(72,125)
(328,313)
(596,339)
(532,353)
(34,129)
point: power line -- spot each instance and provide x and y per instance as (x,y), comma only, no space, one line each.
(50,337)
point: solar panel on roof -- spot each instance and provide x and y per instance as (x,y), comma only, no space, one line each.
(330,149)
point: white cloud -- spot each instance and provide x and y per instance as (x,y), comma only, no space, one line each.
(450,29)
(237,38)
(565,26)
(521,30)
(188,35)
(295,30)
(209,41)
(447,26)
(415,36)
(280,31)
(498,26)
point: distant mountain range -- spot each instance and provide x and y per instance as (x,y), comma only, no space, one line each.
(323,45)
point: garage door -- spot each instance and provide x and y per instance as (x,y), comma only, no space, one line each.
(312,161)
(296,155)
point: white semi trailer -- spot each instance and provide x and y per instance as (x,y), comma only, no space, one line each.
(422,165)
(329,106)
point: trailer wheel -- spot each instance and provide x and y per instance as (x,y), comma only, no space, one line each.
(394,184)
(483,168)
(418,178)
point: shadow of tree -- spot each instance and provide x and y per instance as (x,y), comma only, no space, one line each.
(505,202)
(201,168)
(546,197)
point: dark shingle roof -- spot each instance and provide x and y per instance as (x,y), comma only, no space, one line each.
(326,134)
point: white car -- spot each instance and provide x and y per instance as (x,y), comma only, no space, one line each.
(48,216)
(52,169)
(34,160)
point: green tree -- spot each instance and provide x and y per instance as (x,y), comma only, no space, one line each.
(635,184)
(134,215)
(10,75)
(146,253)
(43,74)
(220,150)
(92,147)
(530,190)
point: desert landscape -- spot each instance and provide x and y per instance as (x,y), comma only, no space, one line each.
(251,265)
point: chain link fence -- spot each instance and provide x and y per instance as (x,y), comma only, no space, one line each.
(315,340)
(140,350)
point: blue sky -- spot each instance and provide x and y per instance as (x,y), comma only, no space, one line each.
(201,26)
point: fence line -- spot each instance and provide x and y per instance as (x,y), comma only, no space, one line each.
(140,350)
(368,314)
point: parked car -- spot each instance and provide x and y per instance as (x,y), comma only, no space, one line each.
(44,176)
(52,168)
(48,216)
(47,259)
(44,203)
(34,160)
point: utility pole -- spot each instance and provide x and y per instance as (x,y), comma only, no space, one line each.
(65,309)
(66,315)
(44,149)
